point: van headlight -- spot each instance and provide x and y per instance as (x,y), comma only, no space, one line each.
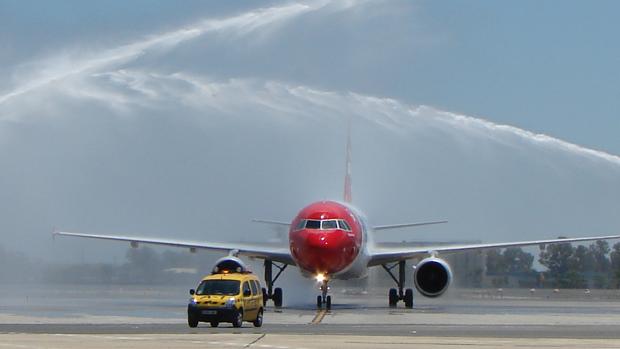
(230,303)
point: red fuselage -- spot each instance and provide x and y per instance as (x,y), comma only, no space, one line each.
(325,238)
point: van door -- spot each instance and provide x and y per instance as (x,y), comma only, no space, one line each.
(249,304)
(258,295)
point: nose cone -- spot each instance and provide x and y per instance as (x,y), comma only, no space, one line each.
(326,239)
(323,251)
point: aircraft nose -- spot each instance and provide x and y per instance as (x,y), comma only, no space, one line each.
(325,251)
(324,239)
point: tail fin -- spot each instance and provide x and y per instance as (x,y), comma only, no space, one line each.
(347,178)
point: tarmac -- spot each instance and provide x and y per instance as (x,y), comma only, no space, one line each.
(154,317)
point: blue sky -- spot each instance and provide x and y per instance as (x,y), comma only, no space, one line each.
(149,117)
(547,66)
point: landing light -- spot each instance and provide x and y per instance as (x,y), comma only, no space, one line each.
(320,277)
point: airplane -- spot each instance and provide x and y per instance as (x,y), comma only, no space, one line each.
(333,240)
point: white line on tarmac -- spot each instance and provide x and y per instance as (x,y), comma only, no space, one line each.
(21,346)
(122,338)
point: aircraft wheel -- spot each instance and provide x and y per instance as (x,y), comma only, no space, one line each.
(409,298)
(328,302)
(277,297)
(319,302)
(393,297)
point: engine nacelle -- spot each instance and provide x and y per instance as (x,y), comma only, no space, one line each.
(432,277)
(229,264)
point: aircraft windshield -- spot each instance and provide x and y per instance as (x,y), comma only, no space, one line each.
(330,224)
(313,224)
(344,225)
(218,287)
(301,224)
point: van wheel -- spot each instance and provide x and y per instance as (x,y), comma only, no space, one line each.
(214,324)
(259,319)
(192,322)
(238,320)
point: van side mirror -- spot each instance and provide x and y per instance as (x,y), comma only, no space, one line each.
(247,293)
(192,292)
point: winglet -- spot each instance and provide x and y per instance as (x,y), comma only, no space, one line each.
(347,178)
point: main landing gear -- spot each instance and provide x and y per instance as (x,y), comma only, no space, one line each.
(269,292)
(323,298)
(396,295)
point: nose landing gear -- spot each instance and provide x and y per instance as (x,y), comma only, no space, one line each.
(323,298)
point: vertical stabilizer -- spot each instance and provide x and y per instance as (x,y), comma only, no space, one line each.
(347,178)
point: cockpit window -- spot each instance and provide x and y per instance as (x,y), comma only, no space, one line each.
(344,225)
(301,225)
(313,224)
(329,224)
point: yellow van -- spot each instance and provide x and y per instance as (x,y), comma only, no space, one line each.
(230,294)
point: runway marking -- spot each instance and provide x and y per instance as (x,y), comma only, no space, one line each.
(319,316)
(22,346)
(121,338)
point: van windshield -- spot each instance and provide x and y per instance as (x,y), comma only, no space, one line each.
(223,287)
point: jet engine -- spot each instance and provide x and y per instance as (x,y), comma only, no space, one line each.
(432,277)
(229,264)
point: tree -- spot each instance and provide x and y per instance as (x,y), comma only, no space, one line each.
(571,279)
(494,262)
(584,260)
(511,260)
(615,264)
(557,258)
(517,261)
(562,265)
(570,266)
(600,250)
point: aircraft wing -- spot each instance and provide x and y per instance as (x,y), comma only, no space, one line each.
(388,255)
(405,225)
(274,253)
(269,221)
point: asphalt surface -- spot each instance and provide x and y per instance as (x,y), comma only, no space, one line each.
(105,314)
(466,331)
